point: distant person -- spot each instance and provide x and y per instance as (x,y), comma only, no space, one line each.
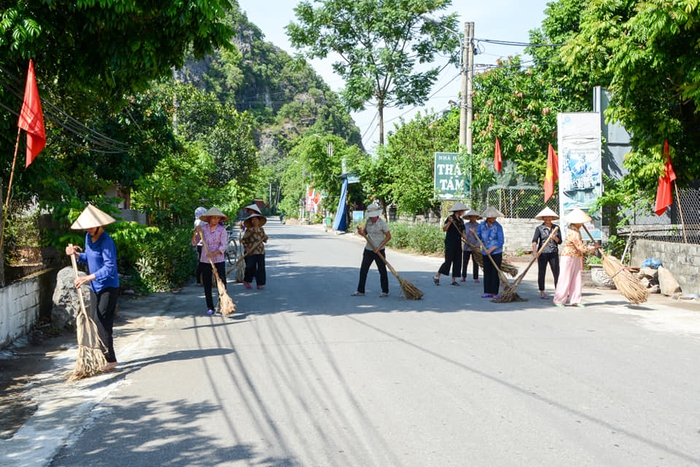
(550,254)
(212,234)
(101,257)
(375,230)
(491,234)
(198,272)
(472,216)
(253,240)
(570,279)
(454,232)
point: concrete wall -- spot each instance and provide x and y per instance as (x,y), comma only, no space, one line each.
(22,304)
(681,259)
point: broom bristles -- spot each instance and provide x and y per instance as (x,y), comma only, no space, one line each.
(91,358)
(628,285)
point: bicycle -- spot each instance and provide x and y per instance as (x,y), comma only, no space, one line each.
(232,247)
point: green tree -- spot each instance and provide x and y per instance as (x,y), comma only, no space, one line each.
(380,43)
(645,54)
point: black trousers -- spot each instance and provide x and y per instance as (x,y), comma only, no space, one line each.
(491,279)
(368,257)
(102,310)
(542,261)
(465,262)
(255,267)
(208,278)
(453,257)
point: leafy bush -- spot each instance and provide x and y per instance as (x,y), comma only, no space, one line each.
(421,238)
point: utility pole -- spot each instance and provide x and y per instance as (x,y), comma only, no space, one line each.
(466,109)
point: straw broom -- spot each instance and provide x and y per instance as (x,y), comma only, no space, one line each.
(408,290)
(627,283)
(226,305)
(501,276)
(509,294)
(91,358)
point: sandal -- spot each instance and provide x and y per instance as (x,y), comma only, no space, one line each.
(384,294)
(357,294)
(436,281)
(454,283)
(487,295)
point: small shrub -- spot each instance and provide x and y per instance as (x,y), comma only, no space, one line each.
(421,238)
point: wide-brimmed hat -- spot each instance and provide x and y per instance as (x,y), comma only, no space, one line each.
(471,213)
(373,210)
(90,218)
(491,212)
(199,212)
(577,216)
(253,207)
(546,212)
(213,212)
(247,222)
(458,206)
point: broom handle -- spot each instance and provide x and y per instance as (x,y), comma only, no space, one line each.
(393,271)
(80,289)
(532,261)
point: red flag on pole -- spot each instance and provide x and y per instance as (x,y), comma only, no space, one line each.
(497,159)
(664,196)
(31,119)
(552,173)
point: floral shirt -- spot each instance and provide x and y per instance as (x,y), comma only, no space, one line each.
(573,244)
(471,239)
(216,240)
(376,231)
(253,239)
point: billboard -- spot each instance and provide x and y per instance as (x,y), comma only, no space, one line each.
(449,181)
(580,166)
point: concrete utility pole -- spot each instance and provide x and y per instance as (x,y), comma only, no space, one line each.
(466,109)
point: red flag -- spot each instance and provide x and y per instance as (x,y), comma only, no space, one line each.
(664,197)
(552,173)
(31,118)
(497,159)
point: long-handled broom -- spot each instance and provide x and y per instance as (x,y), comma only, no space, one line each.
(408,290)
(91,358)
(501,276)
(509,292)
(627,283)
(226,305)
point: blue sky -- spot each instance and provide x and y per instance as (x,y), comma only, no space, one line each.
(505,20)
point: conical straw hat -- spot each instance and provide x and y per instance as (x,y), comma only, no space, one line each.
(471,213)
(577,216)
(546,212)
(491,212)
(213,212)
(458,206)
(253,207)
(90,218)
(247,222)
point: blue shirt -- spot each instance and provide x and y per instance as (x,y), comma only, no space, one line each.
(101,257)
(491,237)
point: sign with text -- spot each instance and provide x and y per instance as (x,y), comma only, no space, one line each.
(450,182)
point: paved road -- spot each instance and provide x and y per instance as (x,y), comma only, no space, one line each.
(305,375)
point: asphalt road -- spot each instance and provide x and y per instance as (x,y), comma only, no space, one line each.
(306,375)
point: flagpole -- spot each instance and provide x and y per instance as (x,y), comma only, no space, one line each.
(680,209)
(7,200)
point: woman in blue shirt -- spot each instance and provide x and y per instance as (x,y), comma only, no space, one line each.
(491,234)
(101,257)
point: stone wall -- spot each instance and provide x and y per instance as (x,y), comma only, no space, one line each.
(681,259)
(23,303)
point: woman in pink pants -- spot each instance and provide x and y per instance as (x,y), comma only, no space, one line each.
(570,282)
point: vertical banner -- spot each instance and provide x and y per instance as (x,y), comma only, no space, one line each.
(449,181)
(580,166)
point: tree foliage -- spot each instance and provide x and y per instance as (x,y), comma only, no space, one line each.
(380,43)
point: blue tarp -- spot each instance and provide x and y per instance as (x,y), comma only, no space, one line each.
(340,222)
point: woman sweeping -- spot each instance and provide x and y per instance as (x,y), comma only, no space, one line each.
(101,257)
(491,234)
(550,254)
(472,216)
(377,233)
(253,241)
(570,281)
(454,231)
(214,240)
